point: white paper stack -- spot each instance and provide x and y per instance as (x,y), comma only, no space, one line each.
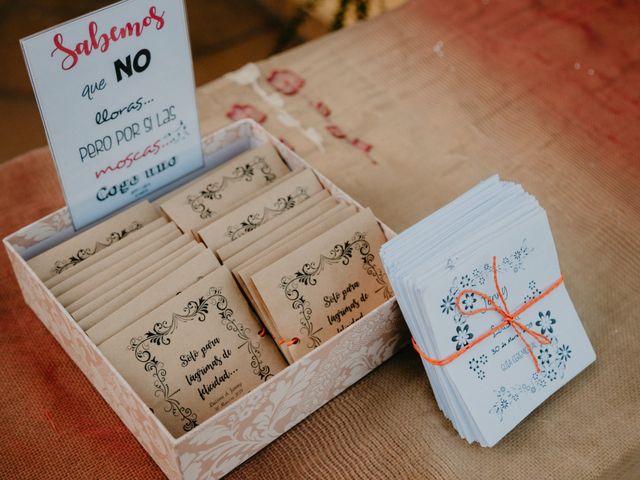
(442,271)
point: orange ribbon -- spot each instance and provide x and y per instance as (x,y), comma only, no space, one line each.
(293,341)
(508,318)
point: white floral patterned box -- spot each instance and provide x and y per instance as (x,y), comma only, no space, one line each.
(236,433)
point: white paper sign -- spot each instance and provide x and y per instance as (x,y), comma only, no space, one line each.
(116,93)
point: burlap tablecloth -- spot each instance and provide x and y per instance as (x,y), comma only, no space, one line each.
(405,113)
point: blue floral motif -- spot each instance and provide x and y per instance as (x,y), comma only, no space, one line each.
(534,291)
(539,379)
(459,319)
(478,276)
(468,301)
(448,304)
(505,398)
(481,273)
(545,322)
(462,336)
(553,360)
(564,353)
(475,365)
(544,356)
(515,261)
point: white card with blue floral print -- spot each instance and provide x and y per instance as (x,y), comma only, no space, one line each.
(492,354)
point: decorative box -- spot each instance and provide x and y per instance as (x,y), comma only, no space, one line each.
(227,439)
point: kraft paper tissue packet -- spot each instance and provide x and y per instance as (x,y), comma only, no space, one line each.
(261,209)
(304,220)
(245,270)
(196,353)
(208,196)
(98,256)
(279,236)
(322,199)
(119,274)
(101,274)
(190,185)
(103,306)
(185,275)
(165,198)
(106,234)
(168,196)
(128,283)
(282,246)
(156,229)
(258,210)
(489,311)
(100,262)
(321,288)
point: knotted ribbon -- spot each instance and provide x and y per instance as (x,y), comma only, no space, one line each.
(508,318)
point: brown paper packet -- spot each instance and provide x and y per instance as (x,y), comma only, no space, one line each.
(316,227)
(209,195)
(261,209)
(303,220)
(165,198)
(116,280)
(322,198)
(326,285)
(243,272)
(158,202)
(185,275)
(103,306)
(105,252)
(196,353)
(100,262)
(102,275)
(253,195)
(244,200)
(83,245)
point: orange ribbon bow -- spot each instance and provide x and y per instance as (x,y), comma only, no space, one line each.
(508,318)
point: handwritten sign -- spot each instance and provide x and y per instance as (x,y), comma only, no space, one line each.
(116,93)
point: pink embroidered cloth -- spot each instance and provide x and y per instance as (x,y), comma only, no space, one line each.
(405,112)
